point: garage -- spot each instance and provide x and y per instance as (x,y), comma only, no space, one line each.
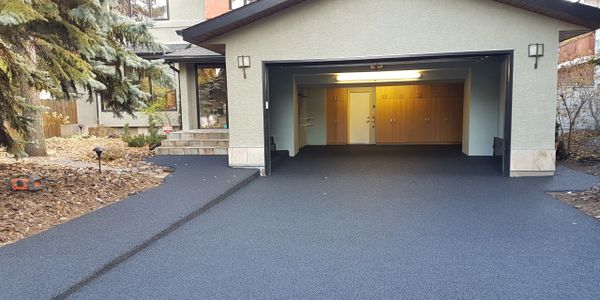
(448,101)
(284,57)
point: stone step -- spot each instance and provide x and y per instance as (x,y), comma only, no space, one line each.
(198,135)
(162,150)
(196,143)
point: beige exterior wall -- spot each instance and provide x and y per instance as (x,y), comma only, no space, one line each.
(355,28)
(182,14)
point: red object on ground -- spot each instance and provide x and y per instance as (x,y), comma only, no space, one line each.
(24,183)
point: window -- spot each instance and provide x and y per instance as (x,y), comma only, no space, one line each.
(145,9)
(212,97)
(164,95)
(234,4)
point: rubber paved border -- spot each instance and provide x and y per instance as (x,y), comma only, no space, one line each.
(115,262)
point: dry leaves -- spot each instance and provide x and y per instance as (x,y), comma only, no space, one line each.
(585,157)
(73,185)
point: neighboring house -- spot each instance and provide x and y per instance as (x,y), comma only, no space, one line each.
(574,69)
(314,72)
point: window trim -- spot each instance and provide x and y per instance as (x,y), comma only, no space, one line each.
(198,103)
(246,2)
(167,18)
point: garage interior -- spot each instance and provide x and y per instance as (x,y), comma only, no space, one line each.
(436,101)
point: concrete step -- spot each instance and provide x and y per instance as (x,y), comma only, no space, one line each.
(196,143)
(199,135)
(162,150)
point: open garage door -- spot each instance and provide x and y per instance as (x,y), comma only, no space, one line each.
(460,99)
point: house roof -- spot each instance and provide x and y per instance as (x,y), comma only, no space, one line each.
(182,53)
(571,12)
(192,53)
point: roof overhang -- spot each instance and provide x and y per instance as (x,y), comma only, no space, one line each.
(200,33)
(570,12)
(567,11)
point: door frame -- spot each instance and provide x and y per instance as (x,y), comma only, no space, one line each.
(198,108)
(506,158)
(371,91)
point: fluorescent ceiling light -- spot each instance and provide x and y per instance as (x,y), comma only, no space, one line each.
(379,76)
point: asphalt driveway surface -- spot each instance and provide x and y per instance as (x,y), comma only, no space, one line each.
(52,262)
(385,222)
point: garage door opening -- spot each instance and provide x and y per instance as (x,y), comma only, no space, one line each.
(454,101)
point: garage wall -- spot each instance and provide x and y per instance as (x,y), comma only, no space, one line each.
(316,132)
(357,28)
(483,107)
(282,107)
(288,127)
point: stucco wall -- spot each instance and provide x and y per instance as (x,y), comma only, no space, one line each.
(330,29)
(182,14)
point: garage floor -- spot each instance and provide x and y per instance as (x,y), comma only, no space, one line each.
(375,222)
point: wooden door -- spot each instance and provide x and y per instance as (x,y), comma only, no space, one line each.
(415,107)
(419,114)
(342,116)
(436,113)
(337,116)
(383,116)
(399,116)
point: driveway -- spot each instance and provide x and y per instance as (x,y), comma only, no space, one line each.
(69,255)
(389,222)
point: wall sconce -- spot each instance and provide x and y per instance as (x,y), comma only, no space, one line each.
(537,51)
(244,63)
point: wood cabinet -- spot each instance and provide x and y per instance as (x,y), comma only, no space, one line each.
(419,114)
(337,116)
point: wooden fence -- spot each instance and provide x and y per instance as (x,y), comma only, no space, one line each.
(58,113)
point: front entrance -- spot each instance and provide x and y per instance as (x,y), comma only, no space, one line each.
(359,117)
(211,83)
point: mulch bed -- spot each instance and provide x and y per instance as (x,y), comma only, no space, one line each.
(69,193)
(73,185)
(585,157)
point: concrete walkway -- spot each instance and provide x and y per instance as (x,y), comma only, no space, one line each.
(45,265)
(385,222)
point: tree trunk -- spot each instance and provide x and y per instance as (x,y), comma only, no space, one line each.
(35,143)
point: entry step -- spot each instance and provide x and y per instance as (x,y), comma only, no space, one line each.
(165,150)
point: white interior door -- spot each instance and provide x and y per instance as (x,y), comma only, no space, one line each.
(359,118)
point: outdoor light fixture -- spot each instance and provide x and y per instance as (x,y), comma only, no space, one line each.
(381,76)
(99,151)
(537,51)
(244,63)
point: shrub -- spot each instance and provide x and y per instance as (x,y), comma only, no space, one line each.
(154,140)
(137,141)
(112,151)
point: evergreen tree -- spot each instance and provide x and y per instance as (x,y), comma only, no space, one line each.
(68,48)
